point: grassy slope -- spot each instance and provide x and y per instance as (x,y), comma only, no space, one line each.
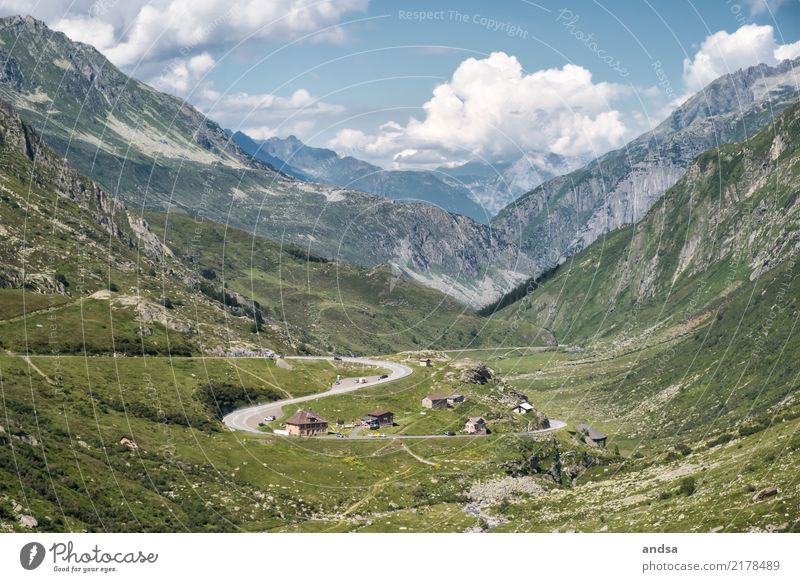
(342,307)
(684,293)
(64,465)
(690,352)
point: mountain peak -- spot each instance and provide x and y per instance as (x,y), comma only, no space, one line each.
(28,21)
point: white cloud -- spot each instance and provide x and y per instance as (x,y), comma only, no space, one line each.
(788,51)
(261,115)
(142,31)
(90,30)
(160,29)
(264,115)
(723,52)
(491,108)
(184,76)
(762,6)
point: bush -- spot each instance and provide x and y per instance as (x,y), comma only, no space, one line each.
(222,398)
(113,287)
(687,487)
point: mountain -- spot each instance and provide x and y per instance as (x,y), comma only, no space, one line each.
(495,186)
(327,167)
(117,272)
(700,297)
(565,214)
(254,150)
(154,151)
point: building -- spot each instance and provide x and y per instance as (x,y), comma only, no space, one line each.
(592,434)
(523,408)
(455,399)
(434,401)
(306,423)
(426,362)
(476,425)
(382,417)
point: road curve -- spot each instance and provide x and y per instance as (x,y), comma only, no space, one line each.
(247,419)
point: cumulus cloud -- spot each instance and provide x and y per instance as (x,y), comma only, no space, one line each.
(93,31)
(261,115)
(761,6)
(184,76)
(491,107)
(153,30)
(788,51)
(724,52)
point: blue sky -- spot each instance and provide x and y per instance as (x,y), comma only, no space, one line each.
(421,83)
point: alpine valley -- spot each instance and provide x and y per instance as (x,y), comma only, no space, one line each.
(545,344)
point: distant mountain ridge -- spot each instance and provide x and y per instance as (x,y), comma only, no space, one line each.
(325,166)
(475,189)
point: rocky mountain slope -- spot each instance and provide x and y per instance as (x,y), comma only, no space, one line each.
(72,255)
(564,215)
(728,222)
(495,186)
(701,296)
(154,151)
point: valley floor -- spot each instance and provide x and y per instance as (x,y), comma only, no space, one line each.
(136,444)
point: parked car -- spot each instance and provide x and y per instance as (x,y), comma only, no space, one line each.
(339,435)
(384,376)
(337,358)
(269,418)
(449,433)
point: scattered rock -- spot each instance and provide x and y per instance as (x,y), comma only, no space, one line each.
(476,374)
(765,493)
(505,488)
(28,521)
(29,439)
(130,444)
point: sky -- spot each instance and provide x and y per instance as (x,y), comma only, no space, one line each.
(422,84)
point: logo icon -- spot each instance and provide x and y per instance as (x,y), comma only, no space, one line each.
(31,555)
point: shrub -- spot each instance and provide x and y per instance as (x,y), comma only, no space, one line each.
(62,278)
(687,487)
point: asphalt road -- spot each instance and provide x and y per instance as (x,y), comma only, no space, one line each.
(247,419)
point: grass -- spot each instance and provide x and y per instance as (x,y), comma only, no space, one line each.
(404,399)
(334,306)
(64,465)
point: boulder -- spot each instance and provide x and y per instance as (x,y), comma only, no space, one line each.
(765,493)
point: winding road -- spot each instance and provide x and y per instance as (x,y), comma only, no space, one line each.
(247,419)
